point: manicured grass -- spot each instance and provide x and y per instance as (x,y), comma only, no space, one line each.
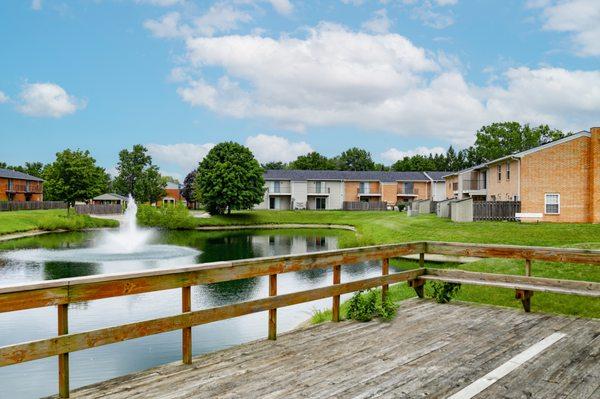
(54,219)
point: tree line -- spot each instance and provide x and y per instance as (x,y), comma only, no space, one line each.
(75,176)
(491,142)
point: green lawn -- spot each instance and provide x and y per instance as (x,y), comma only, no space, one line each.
(54,219)
(392,227)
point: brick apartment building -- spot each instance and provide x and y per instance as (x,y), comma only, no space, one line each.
(555,182)
(20,187)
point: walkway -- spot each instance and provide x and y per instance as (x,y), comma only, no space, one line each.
(429,350)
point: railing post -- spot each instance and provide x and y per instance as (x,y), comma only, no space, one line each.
(421,260)
(335,306)
(63,359)
(528,267)
(524,295)
(272,312)
(385,270)
(186,332)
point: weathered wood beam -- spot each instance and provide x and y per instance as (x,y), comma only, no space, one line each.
(581,288)
(186,333)
(568,255)
(33,350)
(79,289)
(335,303)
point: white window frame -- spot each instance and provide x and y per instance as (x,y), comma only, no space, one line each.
(508,170)
(546,203)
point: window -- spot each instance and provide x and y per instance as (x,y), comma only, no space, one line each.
(507,170)
(552,204)
(499,172)
(318,187)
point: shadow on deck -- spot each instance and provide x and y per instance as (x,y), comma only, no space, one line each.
(429,350)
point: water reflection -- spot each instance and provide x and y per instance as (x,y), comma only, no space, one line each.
(38,378)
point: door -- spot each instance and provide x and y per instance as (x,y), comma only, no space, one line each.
(321,202)
(272,203)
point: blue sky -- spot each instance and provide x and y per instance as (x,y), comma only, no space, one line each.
(285,77)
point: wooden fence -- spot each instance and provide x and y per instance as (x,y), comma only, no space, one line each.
(364,206)
(99,209)
(63,292)
(496,210)
(31,205)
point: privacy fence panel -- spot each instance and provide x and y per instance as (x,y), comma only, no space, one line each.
(31,205)
(496,210)
(364,206)
(98,209)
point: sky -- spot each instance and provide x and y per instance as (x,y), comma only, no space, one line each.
(286,77)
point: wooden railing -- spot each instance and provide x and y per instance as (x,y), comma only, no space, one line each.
(63,292)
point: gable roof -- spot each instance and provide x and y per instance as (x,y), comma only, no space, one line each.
(110,197)
(436,175)
(348,175)
(13,174)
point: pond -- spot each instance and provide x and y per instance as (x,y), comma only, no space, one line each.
(20,263)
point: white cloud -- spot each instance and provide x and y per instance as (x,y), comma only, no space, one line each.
(579,18)
(3,97)
(267,148)
(446,2)
(36,5)
(220,17)
(47,99)
(183,155)
(393,154)
(376,82)
(160,3)
(284,7)
(380,23)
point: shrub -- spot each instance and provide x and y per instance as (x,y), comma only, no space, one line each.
(175,216)
(443,292)
(72,222)
(366,306)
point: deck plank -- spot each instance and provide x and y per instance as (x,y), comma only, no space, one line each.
(428,350)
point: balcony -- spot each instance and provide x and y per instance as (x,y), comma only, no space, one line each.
(318,190)
(455,187)
(474,185)
(408,191)
(12,187)
(280,189)
(368,192)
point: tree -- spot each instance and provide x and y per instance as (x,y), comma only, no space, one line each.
(356,159)
(274,165)
(312,161)
(74,176)
(187,191)
(229,178)
(171,179)
(138,176)
(501,139)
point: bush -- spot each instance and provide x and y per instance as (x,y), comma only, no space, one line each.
(175,216)
(72,222)
(365,306)
(443,292)
(402,205)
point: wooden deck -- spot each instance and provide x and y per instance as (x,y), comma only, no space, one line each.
(429,350)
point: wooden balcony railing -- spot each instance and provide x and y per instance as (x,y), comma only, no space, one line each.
(474,185)
(21,187)
(63,292)
(407,191)
(369,191)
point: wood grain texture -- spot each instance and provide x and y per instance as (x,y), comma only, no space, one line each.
(63,358)
(18,353)
(186,333)
(428,350)
(335,302)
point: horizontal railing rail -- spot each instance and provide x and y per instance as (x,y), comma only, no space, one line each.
(63,292)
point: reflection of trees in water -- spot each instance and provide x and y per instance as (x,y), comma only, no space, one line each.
(56,270)
(312,275)
(50,241)
(219,294)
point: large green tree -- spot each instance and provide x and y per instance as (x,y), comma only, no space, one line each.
(312,161)
(229,178)
(501,139)
(138,176)
(355,159)
(187,191)
(274,165)
(74,176)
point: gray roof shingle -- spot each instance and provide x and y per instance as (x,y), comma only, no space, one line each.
(13,174)
(300,175)
(437,176)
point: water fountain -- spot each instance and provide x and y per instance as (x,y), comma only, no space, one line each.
(129,242)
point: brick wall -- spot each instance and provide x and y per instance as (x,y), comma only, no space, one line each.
(595,176)
(351,191)
(389,193)
(503,189)
(561,169)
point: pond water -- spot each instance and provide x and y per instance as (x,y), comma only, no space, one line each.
(20,261)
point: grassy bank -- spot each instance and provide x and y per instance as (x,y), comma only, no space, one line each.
(392,227)
(54,219)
